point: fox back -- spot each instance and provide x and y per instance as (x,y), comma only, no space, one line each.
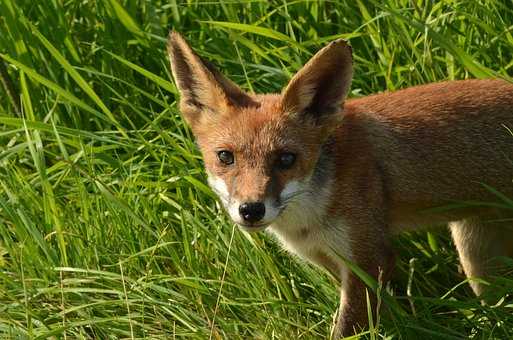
(334,179)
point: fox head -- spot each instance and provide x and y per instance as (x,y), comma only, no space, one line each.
(260,151)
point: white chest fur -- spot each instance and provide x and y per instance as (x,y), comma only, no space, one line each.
(305,229)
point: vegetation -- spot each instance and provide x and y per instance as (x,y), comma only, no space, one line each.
(107,229)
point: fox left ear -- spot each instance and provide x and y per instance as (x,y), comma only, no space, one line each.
(319,89)
(204,92)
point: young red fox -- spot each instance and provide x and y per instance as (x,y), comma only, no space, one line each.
(331,177)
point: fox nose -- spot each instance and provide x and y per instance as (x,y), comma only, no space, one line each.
(252,211)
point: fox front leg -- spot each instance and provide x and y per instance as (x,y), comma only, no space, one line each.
(378,261)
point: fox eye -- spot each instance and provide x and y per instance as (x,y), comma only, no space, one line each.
(226,157)
(286,160)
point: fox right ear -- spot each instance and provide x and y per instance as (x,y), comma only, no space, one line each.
(204,92)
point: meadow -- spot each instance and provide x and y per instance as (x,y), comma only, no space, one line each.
(107,227)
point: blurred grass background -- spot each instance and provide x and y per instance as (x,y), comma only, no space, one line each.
(107,229)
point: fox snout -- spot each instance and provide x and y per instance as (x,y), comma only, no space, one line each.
(248,209)
(253,215)
(252,212)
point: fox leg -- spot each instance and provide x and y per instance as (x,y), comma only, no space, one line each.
(374,256)
(478,243)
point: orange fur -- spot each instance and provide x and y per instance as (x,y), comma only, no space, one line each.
(364,169)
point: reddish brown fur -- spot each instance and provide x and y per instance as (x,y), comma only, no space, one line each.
(387,160)
(400,154)
(433,144)
(250,133)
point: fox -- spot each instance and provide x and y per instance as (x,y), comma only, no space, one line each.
(335,179)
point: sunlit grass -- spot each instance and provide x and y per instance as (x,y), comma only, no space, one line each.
(107,228)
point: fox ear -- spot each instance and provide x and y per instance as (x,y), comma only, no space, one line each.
(204,91)
(319,89)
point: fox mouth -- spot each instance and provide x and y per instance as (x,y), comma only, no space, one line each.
(258,226)
(253,227)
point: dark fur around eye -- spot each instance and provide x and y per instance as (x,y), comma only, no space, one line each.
(226,157)
(286,160)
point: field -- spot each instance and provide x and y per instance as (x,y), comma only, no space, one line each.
(107,228)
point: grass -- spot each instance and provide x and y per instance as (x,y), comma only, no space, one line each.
(107,229)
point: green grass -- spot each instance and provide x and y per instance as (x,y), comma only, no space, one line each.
(107,229)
